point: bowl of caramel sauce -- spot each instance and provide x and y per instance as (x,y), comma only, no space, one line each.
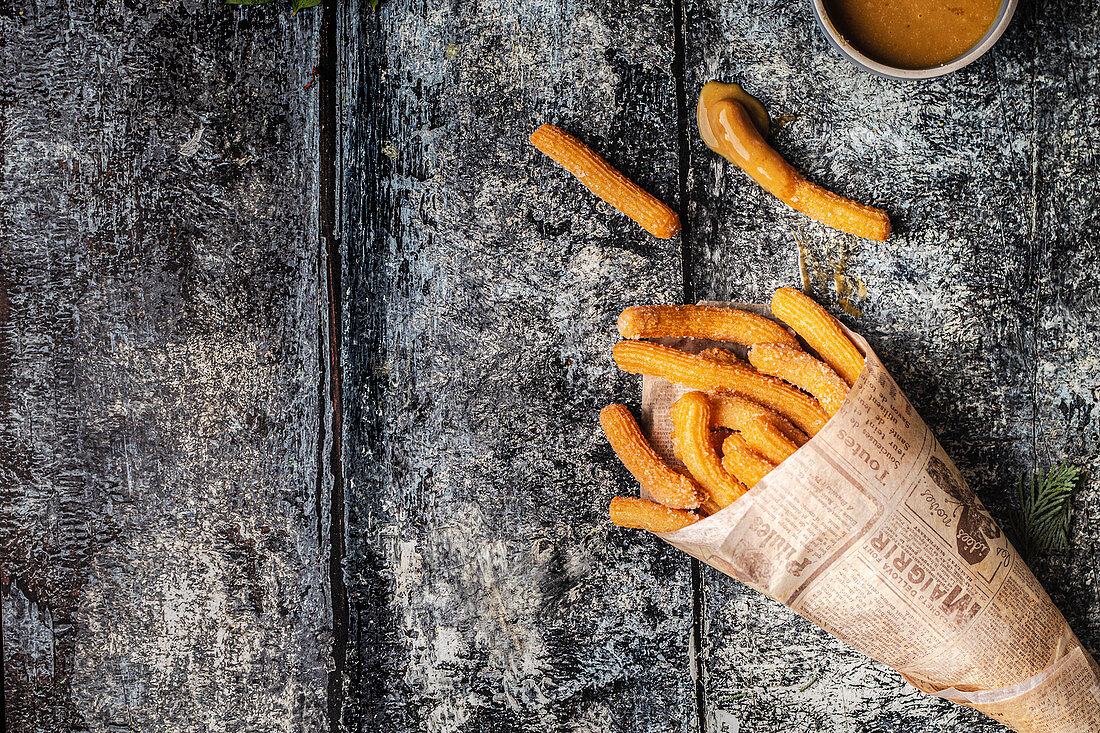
(913,39)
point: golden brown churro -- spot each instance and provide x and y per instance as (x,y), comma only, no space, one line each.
(662,482)
(728,129)
(599,177)
(820,330)
(690,370)
(692,443)
(802,370)
(723,355)
(702,321)
(766,431)
(642,514)
(769,418)
(743,462)
(710,506)
(718,436)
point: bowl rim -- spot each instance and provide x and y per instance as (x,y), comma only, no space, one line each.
(859,59)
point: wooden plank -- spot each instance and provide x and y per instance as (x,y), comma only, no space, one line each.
(487,590)
(164,559)
(1068,312)
(949,303)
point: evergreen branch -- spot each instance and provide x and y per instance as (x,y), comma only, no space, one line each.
(1041,524)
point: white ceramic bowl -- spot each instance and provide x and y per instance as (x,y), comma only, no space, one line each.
(837,41)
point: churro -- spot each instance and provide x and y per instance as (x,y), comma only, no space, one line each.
(663,483)
(743,462)
(766,431)
(723,355)
(702,321)
(729,130)
(710,506)
(803,371)
(718,436)
(695,372)
(770,417)
(820,330)
(602,179)
(692,442)
(643,514)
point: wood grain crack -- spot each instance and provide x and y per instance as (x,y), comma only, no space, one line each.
(334,423)
(683,120)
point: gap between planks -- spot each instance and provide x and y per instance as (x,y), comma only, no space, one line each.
(683,148)
(331,428)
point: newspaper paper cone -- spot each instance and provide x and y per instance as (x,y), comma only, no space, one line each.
(870,532)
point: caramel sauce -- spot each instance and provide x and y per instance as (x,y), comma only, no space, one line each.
(731,123)
(913,34)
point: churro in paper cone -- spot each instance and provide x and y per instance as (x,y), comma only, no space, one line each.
(870,532)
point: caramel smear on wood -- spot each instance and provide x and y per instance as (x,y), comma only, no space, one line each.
(729,127)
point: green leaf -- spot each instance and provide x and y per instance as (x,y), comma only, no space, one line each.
(1041,524)
(302,4)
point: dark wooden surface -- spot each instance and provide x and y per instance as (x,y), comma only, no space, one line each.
(164,512)
(949,303)
(298,388)
(487,591)
(982,304)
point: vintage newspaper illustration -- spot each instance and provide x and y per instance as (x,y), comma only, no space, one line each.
(870,532)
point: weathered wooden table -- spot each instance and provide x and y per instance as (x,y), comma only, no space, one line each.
(298,381)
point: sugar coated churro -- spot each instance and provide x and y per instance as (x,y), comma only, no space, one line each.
(743,462)
(692,442)
(722,355)
(820,330)
(741,419)
(690,370)
(728,129)
(702,321)
(766,431)
(664,484)
(710,506)
(643,514)
(802,370)
(599,177)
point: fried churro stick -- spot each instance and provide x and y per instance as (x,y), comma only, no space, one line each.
(702,321)
(766,431)
(643,514)
(664,484)
(723,355)
(728,129)
(691,441)
(690,370)
(820,330)
(743,462)
(599,177)
(709,507)
(803,371)
(717,437)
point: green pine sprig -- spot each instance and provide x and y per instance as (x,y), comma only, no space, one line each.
(1041,524)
